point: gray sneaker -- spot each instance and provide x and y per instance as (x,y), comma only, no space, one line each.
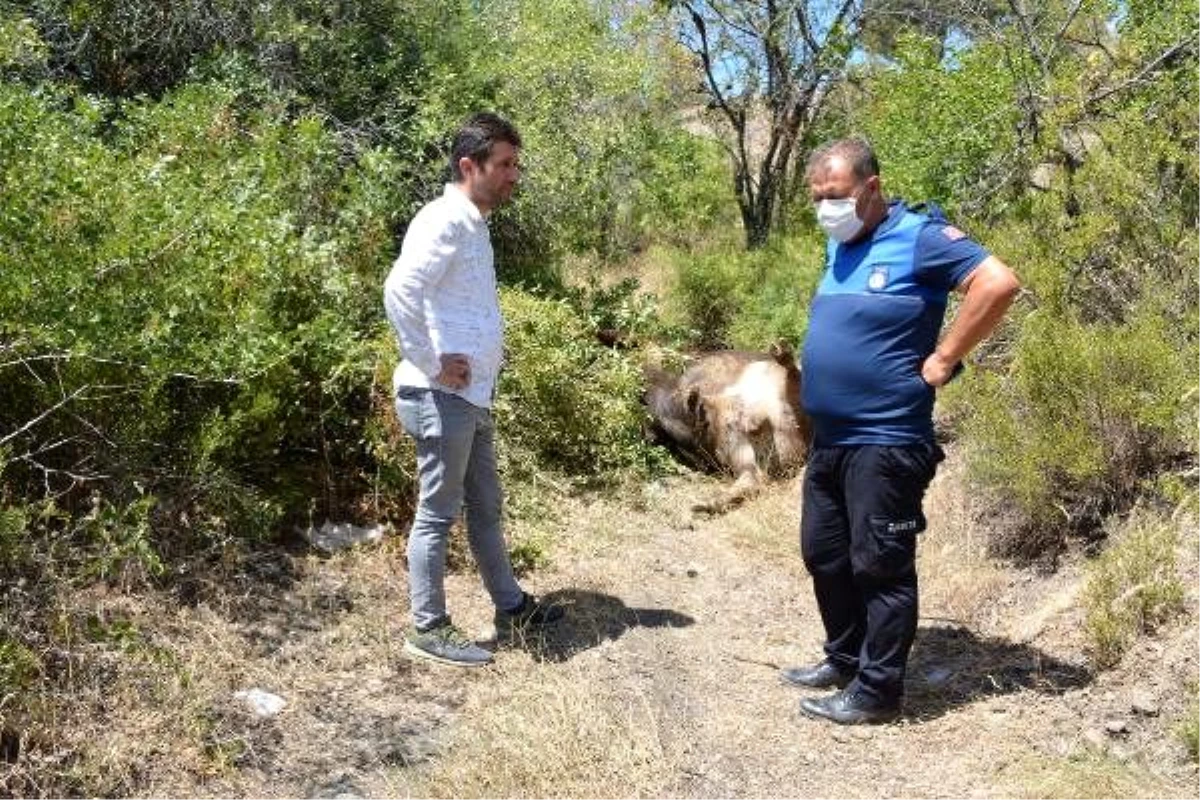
(446,644)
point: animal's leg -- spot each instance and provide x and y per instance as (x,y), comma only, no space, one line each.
(788,440)
(749,480)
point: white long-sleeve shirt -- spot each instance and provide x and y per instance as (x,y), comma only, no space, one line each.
(441,298)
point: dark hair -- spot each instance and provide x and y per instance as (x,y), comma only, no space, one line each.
(476,138)
(856,150)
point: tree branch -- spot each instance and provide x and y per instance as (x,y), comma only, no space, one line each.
(44,414)
(1162,60)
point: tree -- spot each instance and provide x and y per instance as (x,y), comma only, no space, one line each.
(123,48)
(767,69)
(885,21)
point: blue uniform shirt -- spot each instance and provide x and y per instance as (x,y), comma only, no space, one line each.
(875,318)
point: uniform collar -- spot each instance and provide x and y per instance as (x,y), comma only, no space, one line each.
(896,209)
(895,213)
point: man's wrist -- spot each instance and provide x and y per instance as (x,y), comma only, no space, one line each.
(947,360)
(428,362)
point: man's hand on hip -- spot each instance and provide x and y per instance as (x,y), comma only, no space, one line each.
(456,371)
(937,371)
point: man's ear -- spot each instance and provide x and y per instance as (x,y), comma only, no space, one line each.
(467,167)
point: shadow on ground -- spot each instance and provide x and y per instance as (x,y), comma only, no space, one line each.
(591,619)
(952,666)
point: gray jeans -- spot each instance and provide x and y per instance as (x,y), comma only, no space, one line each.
(456,464)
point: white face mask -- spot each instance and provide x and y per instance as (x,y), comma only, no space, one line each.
(838,219)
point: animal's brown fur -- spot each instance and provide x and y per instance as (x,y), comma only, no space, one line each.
(733,411)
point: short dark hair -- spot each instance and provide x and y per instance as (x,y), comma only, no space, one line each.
(476,138)
(856,150)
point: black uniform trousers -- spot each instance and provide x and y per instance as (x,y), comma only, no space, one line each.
(860,516)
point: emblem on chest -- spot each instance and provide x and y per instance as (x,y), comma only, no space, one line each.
(877,279)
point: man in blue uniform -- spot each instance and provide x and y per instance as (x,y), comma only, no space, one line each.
(872,363)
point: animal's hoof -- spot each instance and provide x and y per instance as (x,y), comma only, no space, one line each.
(718,506)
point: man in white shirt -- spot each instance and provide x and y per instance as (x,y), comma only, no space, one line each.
(441,300)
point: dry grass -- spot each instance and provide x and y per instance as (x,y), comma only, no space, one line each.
(1133,586)
(119,713)
(1188,726)
(543,730)
(769,525)
(663,682)
(958,581)
(1081,776)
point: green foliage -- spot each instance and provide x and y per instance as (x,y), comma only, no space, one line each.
(211,257)
(731,297)
(619,311)
(21,48)
(203,262)
(942,131)
(119,541)
(707,295)
(529,553)
(1084,413)
(585,83)
(1100,397)
(360,62)
(394,486)
(683,187)
(19,666)
(565,402)
(1132,588)
(14,523)
(135,47)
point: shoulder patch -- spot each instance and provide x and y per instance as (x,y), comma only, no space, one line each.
(952,233)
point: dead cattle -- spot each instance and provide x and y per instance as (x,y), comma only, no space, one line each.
(732,411)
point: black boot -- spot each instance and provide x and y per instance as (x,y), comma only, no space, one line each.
(825,675)
(850,708)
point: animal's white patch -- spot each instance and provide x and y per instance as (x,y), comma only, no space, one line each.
(735,411)
(758,391)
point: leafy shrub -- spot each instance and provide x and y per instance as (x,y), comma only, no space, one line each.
(683,189)
(1132,587)
(19,666)
(14,522)
(186,319)
(529,553)
(706,296)
(1085,416)
(565,402)
(730,297)
(912,117)
(780,282)
(619,312)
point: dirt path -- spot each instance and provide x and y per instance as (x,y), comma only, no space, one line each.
(663,681)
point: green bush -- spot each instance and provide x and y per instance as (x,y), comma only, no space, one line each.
(14,524)
(619,311)
(913,114)
(565,403)
(730,297)
(1132,587)
(393,452)
(19,666)
(186,318)
(1079,424)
